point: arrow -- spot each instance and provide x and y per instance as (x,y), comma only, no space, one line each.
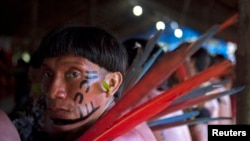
(195,101)
(187,122)
(181,117)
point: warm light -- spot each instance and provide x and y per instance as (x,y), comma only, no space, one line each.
(178,33)
(137,10)
(160,25)
(26,57)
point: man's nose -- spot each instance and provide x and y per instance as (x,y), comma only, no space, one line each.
(57,89)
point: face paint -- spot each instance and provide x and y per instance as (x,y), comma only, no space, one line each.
(86,82)
(80,102)
(91,75)
(73,92)
(80,97)
(73,121)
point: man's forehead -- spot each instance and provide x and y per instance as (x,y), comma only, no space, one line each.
(69,61)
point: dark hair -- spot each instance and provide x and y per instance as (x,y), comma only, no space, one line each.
(92,43)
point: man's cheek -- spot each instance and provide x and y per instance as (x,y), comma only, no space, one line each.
(85,104)
(78,99)
(45,87)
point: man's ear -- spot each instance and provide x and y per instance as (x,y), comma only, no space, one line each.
(113,81)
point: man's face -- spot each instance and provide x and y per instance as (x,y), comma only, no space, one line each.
(74,96)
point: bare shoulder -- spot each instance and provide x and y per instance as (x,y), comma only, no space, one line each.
(8,131)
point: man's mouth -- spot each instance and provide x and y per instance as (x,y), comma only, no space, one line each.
(59,121)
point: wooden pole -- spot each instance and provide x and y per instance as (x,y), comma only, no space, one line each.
(243,64)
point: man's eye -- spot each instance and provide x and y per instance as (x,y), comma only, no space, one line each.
(47,74)
(73,74)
